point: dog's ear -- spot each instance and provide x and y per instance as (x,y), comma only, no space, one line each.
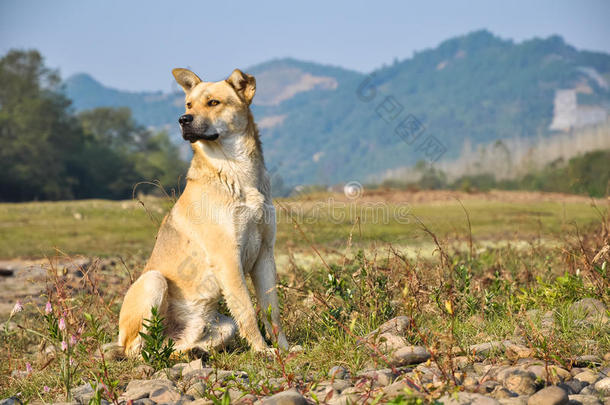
(186,78)
(244,84)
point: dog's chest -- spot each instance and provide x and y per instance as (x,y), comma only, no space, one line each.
(252,225)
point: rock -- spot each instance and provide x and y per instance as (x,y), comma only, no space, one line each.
(516,351)
(112,352)
(288,397)
(583,400)
(555,374)
(338,372)
(388,342)
(341,385)
(192,366)
(588,390)
(144,401)
(83,393)
(396,326)
(552,395)
(165,395)
(400,387)
(467,398)
(590,309)
(501,393)
(486,349)
(410,355)
(607,356)
(603,386)
(11,401)
(520,381)
(573,386)
(138,389)
(6,272)
(381,377)
(171,374)
(588,376)
(143,371)
(587,360)
(522,400)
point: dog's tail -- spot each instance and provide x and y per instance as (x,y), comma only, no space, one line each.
(149,290)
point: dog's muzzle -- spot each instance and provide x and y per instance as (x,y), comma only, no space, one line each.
(193,135)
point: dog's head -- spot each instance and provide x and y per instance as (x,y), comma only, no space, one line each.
(215,109)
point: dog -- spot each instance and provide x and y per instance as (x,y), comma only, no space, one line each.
(221,229)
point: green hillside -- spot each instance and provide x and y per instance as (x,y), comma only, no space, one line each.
(337,125)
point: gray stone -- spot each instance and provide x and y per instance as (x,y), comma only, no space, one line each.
(288,397)
(341,385)
(588,376)
(338,372)
(579,399)
(138,389)
(11,401)
(381,377)
(501,393)
(83,393)
(588,360)
(467,398)
(410,355)
(143,371)
(588,390)
(520,381)
(603,386)
(552,395)
(516,351)
(165,395)
(522,400)
(396,326)
(573,386)
(144,401)
(486,349)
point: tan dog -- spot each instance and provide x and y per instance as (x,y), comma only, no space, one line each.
(220,230)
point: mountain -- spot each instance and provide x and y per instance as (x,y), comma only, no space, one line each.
(323,124)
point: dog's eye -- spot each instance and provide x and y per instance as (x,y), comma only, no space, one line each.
(189,104)
(213,103)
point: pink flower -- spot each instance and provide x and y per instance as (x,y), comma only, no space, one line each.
(48,308)
(46,388)
(28,368)
(17,308)
(73,340)
(62,324)
(64,346)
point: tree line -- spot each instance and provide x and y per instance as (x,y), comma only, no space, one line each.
(49,152)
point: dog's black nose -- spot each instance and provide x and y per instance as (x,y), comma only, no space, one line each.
(185,119)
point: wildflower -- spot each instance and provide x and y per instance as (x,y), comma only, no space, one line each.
(72,362)
(73,340)
(48,308)
(28,368)
(64,346)
(46,388)
(62,324)
(17,308)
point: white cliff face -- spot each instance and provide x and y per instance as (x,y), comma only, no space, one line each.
(568,114)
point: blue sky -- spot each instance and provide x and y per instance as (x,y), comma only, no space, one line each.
(133,45)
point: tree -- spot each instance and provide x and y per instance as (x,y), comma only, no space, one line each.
(39,137)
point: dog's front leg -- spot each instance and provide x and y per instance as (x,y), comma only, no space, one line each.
(237,297)
(265,280)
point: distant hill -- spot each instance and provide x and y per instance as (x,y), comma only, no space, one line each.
(323,124)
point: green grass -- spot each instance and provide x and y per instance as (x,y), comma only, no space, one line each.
(124,228)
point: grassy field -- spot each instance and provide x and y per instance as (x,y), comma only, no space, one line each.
(125,228)
(532,258)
